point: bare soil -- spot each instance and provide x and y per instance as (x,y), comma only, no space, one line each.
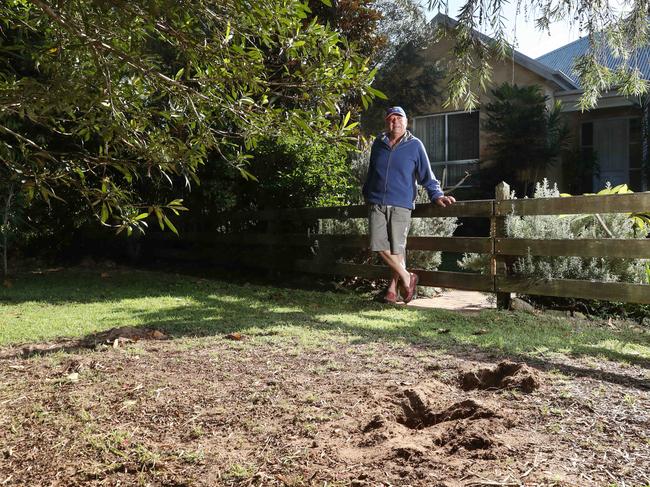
(136,409)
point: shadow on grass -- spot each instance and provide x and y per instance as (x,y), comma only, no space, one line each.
(218,308)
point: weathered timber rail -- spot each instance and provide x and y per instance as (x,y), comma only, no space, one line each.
(268,245)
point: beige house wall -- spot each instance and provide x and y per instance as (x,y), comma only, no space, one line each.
(503,71)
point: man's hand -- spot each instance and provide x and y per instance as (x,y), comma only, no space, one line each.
(445,201)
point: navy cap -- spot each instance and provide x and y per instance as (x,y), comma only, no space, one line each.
(395,111)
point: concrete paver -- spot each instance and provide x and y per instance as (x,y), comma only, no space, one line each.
(455,299)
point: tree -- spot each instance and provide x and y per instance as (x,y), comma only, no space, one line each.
(357,21)
(410,79)
(525,136)
(403,21)
(101,97)
(609,29)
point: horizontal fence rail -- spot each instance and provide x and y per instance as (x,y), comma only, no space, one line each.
(617,248)
(310,251)
(611,203)
(569,288)
(478,209)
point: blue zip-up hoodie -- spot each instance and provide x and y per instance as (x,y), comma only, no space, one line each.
(393,173)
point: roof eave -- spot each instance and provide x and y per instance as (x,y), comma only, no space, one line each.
(562,81)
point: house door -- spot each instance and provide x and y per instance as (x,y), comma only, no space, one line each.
(611,143)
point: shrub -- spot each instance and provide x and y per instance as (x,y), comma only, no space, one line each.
(294,173)
(573,227)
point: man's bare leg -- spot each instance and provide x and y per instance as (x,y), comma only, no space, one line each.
(392,286)
(396,263)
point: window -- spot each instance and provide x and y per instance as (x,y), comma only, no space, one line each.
(608,155)
(452,143)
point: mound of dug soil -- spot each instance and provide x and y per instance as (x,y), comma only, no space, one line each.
(474,435)
(433,418)
(420,413)
(506,375)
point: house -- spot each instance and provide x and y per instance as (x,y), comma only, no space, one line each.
(456,141)
(613,128)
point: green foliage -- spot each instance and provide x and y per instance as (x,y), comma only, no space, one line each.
(356,20)
(294,173)
(619,29)
(410,80)
(574,227)
(402,22)
(117,102)
(525,136)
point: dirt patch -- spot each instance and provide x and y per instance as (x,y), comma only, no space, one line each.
(469,436)
(506,375)
(115,337)
(432,417)
(269,412)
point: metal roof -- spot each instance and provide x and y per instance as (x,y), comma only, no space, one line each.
(563,58)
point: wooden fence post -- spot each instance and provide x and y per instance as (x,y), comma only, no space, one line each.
(498,263)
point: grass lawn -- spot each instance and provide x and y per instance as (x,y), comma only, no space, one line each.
(79,303)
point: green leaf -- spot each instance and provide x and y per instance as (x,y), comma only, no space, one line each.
(346,119)
(159,215)
(303,125)
(620,189)
(247,175)
(377,93)
(227,34)
(170,224)
(104,216)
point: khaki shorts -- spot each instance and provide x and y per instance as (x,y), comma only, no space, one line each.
(389,227)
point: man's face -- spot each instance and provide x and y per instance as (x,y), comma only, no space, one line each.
(396,125)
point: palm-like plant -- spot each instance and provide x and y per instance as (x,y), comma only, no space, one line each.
(526,135)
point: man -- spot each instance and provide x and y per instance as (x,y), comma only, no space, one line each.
(398,161)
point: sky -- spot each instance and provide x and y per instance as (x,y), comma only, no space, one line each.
(527,39)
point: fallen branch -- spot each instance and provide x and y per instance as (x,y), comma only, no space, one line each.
(458,184)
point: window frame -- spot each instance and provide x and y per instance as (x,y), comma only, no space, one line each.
(456,162)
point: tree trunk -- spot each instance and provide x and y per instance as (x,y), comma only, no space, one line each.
(5,230)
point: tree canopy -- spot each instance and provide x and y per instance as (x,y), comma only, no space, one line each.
(610,29)
(97,96)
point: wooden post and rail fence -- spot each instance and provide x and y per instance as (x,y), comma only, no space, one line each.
(268,246)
